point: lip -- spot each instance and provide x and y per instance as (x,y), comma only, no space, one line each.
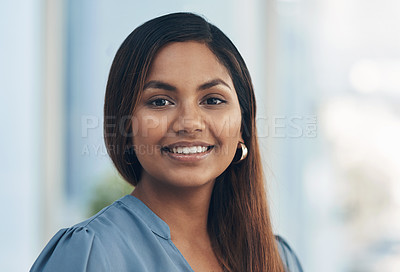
(186,144)
(188,158)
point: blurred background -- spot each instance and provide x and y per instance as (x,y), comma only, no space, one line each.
(327,80)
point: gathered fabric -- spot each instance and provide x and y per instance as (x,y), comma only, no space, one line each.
(125,236)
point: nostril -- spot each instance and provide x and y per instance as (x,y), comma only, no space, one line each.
(189,131)
(185,125)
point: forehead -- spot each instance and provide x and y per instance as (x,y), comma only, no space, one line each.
(187,60)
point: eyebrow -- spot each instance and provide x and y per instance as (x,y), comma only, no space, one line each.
(157,84)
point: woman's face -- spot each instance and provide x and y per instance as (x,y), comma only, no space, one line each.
(187,124)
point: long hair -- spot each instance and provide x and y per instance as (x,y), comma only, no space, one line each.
(238,221)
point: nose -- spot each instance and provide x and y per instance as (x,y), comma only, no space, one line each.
(189,119)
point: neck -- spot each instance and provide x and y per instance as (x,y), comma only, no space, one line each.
(185,210)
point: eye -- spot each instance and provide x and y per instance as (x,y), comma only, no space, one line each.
(160,102)
(213,101)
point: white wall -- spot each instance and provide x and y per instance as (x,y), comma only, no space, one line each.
(20,99)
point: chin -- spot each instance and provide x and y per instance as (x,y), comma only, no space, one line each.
(190,182)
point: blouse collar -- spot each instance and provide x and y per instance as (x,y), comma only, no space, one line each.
(153,221)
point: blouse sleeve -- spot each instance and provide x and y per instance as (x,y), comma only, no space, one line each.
(289,258)
(75,249)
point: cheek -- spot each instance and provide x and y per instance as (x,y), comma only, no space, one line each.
(146,126)
(228,126)
(228,129)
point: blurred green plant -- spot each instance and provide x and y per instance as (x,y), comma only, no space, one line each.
(109,189)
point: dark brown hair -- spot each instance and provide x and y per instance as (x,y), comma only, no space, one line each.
(238,220)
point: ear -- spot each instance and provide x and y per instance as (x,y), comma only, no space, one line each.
(240,140)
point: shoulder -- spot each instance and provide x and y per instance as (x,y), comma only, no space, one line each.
(289,258)
(82,247)
(73,249)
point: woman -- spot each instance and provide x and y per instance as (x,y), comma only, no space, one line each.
(180,126)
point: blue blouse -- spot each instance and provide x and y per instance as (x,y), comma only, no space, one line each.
(125,236)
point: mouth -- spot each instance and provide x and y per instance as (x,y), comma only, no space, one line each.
(188,150)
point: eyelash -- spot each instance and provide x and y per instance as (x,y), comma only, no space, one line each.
(221,101)
(154,101)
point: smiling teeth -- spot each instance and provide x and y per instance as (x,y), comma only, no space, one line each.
(189,150)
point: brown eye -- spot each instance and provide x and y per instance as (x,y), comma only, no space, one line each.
(214,101)
(160,102)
